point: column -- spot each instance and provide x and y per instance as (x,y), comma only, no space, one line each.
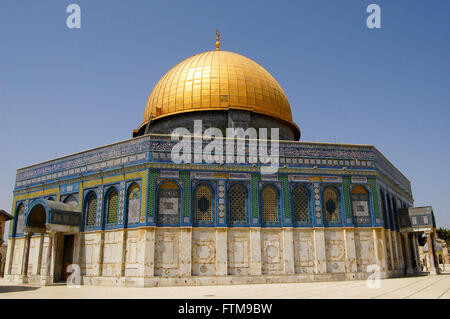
(49,265)
(288,248)
(77,249)
(436,257)
(417,260)
(409,268)
(10,255)
(350,251)
(26,255)
(320,258)
(186,252)
(41,247)
(221,252)
(432,269)
(255,251)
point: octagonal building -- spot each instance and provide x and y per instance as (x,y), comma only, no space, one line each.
(126,214)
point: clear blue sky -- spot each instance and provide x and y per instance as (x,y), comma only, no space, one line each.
(66,90)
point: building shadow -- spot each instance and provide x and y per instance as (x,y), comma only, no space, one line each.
(5,289)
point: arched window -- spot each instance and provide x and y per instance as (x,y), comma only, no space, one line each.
(169,195)
(237,204)
(71,200)
(300,204)
(331,204)
(91,209)
(112,206)
(20,218)
(270,205)
(360,205)
(133,203)
(204,204)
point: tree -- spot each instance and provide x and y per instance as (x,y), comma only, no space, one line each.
(444,234)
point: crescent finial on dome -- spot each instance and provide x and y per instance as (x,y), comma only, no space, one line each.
(217,40)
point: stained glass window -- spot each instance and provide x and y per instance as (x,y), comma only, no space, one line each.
(112,204)
(204,203)
(270,203)
(91,209)
(237,203)
(134,203)
(168,204)
(300,204)
(360,205)
(331,204)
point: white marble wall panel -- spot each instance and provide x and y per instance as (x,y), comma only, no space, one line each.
(167,252)
(272,251)
(204,252)
(365,249)
(335,251)
(303,251)
(238,251)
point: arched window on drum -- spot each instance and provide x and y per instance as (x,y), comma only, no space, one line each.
(133,204)
(301,205)
(168,204)
(90,209)
(20,221)
(237,204)
(204,204)
(331,204)
(270,205)
(360,206)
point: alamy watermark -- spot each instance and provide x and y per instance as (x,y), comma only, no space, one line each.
(251,146)
(374,280)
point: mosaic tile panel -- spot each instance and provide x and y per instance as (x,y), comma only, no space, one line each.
(373,188)
(287,206)
(186,176)
(255,206)
(346,187)
(153,174)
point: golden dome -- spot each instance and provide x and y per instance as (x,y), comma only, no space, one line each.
(218,80)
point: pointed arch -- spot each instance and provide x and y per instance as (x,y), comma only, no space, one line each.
(168,204)
(331,204)
(133,203)
(204,204)
(360,205)
(90,209)
(270,205)
(301,204)
(237,204)
(111,206)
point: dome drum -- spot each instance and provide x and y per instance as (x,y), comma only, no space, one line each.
(219,119)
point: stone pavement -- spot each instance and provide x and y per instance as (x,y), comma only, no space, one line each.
(428,286)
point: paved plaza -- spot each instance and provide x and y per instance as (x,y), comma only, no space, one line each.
(427,286)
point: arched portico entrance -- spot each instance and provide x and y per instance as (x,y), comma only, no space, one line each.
(60,223)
